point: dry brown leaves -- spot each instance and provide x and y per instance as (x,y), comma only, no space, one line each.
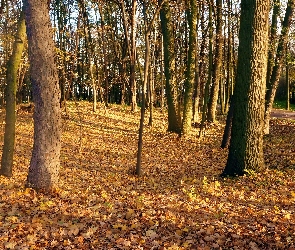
(179,203)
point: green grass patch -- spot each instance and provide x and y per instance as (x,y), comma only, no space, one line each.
(282,105)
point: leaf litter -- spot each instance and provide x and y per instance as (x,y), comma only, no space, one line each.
(179,203)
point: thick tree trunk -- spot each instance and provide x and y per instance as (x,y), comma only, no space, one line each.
(279,62)
(174,124)
(44,166)
(190,71)
(10,96)
(246,145)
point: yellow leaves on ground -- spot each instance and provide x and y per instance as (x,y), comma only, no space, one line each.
(179,203)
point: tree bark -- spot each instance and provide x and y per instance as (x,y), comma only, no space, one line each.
(216,66)
(209,77)
(174,124)
(10,96)
(138,170)
(133,57)
(44,166)
(191,66)
(246,145)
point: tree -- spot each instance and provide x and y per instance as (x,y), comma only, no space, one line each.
(169,67)
(191,67)
(148,28)
(209,77)
(217,66)
(131,44)
(246,145)
(10,96)
(44,166)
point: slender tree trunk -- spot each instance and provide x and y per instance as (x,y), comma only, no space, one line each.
(279,61)
(174,124)
(227,128)
(202,60)
(246,145)
(287,86)
(197,87)
(217,66)
(10,96)
(229,61)
(44,166)
(105,58)
(273,39)
(146,69)
(192,13)
(133,57)
(93,88)
(152,80)
(209,78)
(162,75)
(138,170)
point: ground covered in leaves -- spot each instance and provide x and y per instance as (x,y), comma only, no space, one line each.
(179,203)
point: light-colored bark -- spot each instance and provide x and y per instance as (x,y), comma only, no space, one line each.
(45,163)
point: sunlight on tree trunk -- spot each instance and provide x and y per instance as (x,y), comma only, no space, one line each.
(10,96)
(44,166)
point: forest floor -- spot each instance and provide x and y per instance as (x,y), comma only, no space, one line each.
(179,203)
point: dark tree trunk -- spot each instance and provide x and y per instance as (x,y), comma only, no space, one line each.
(174,124)
(227,129)
(217,66)
(190,71)
(246,145)
(44,166)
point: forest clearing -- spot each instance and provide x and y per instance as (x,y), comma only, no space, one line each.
(180,202)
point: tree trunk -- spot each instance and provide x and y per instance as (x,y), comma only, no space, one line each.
(138,170)
(105,58)
(209,77)
(44,166)
(246,145)
(191,66)
(287,86)
(133,57)
(169,68)
(201,65)
(273,39)
(227,128)
(279,62)
(216,66)
(10,96)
